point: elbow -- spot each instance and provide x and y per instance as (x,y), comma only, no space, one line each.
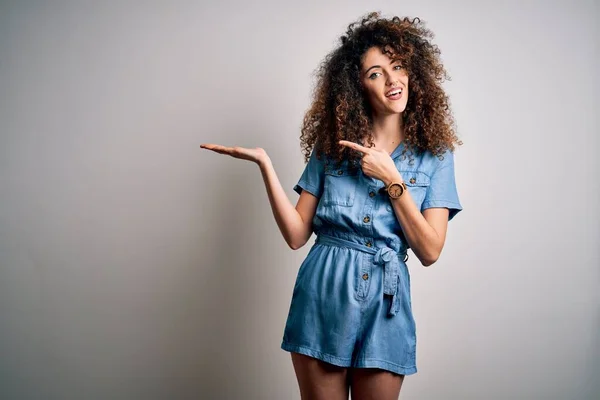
(296,241)
(429,260)
(295,244)
(429,256)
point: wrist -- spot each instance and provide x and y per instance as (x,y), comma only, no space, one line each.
(394,177)
(263,161)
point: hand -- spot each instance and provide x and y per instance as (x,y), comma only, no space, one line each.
(257,155)
(376,163)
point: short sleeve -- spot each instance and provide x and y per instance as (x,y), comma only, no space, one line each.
(442,188)
(312,178)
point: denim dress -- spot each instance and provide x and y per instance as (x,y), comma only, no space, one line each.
(351,304)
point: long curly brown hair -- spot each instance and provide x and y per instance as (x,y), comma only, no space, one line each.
(341,110)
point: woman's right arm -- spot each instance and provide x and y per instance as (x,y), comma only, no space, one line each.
(295,223)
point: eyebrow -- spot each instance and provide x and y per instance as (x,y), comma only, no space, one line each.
(379,66)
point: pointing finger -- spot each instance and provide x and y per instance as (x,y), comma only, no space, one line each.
(354,146)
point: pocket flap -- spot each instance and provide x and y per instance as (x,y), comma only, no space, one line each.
(340,171)
(415,178)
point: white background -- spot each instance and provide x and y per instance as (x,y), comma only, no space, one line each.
(134,265)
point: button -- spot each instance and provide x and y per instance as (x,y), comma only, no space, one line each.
(365,276)
(371,194)
(412,180)
(340,172)
(369,244)
(366,219)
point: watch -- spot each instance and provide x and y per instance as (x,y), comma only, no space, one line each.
(395,189)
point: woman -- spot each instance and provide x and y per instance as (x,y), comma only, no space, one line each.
(379,140)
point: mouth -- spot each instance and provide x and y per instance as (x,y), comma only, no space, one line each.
(394,94)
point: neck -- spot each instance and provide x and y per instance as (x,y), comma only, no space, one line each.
(388,128)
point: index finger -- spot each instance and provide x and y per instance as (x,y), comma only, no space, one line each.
(354,146)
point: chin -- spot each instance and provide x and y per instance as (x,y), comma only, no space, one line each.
(392,110)
(399,110)
(396,108)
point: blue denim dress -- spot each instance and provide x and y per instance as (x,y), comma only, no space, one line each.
(351,304)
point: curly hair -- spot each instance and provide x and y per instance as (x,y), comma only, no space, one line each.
(340,108)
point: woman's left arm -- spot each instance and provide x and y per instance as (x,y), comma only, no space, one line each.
(425,232)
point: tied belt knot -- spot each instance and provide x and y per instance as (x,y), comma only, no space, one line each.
(385,256)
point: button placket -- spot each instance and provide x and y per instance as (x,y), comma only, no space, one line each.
(365,275)
(367,224)
(367,212)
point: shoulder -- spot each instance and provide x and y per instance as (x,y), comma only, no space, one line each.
(426,162)
(430,163)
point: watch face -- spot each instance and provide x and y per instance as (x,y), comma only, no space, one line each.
(395,190)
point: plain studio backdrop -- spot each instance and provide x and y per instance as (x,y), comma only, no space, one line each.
(134,265)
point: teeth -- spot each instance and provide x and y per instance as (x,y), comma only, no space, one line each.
(395,92)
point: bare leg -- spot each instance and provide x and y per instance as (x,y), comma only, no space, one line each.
(375,384)
(319,380)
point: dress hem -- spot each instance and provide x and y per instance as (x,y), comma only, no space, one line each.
(347,362)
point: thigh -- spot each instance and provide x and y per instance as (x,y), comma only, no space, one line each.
(319,380)
(374,384)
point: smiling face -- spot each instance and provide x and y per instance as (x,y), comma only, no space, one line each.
(385,82)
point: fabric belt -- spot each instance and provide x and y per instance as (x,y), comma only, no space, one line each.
(383,256)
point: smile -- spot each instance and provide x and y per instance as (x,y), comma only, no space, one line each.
(394,94)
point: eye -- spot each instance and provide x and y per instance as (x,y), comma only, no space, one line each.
(398,67)
(372,76)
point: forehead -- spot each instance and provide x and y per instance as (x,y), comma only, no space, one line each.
(375,56)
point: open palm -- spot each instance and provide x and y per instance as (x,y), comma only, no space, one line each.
(256,154)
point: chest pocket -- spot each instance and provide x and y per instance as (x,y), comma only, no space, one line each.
(340,186)
(417,183)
